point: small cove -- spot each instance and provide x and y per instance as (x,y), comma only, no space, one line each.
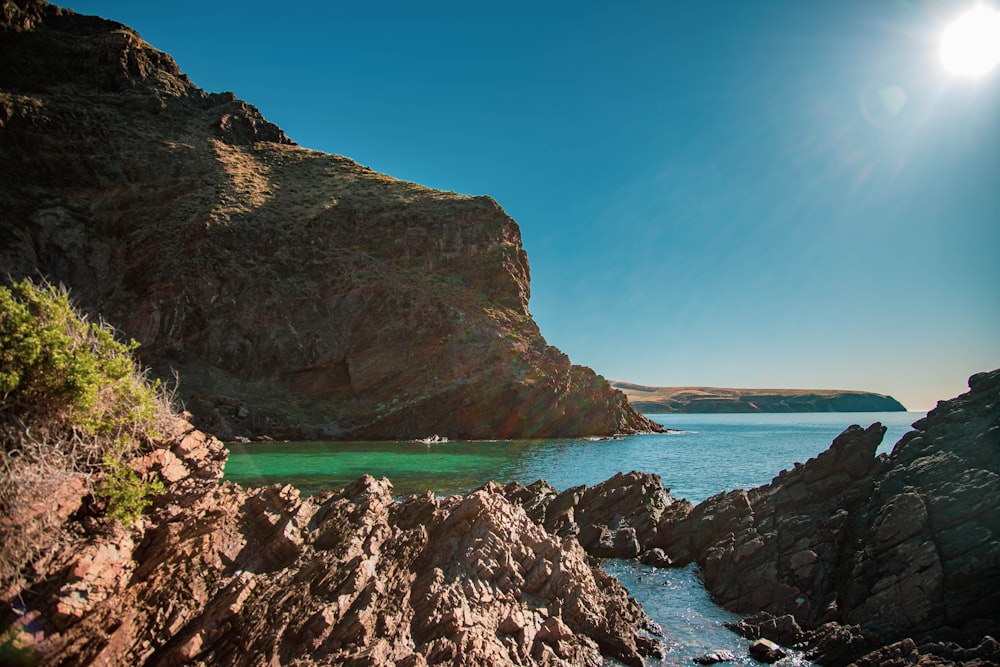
(707,454)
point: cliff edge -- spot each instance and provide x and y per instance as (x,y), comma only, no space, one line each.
(296,294)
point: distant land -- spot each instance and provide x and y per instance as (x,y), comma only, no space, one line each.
(652,400)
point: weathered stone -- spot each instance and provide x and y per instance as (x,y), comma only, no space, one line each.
(764,650)
(781,629)
(622,517)
(222,575)
(715,657)
(862,550)
(297,294)
(655,557)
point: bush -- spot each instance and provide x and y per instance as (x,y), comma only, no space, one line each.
(75,408)
(126,494)
(57,370)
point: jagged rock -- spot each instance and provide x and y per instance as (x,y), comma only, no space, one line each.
(655,557)
(715,657)
(906,652)
(781,629)
(764,650)
(329,300)
(864,551)
(220,575)
(625,516)
(836,644)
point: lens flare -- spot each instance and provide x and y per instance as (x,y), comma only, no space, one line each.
(970,45)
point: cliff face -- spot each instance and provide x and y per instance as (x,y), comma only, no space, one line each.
(865,551)
(296,293)
(662,400)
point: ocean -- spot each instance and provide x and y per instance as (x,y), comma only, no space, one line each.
(705,455)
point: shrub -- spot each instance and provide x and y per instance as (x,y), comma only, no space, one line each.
(60,371)
(75,408)
(126,493)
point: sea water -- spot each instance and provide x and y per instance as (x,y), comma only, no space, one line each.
(705,454)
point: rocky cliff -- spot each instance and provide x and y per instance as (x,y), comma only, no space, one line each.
(887,560)
(897,555)
(662,400)
(297,294)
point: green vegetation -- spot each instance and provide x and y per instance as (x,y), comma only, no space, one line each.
(75,409)
(126,493)
(61,371)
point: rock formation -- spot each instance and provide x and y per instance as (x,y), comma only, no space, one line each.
(853,553)
(225,576)
(663,400)
(297,294)
(627,516)
(881,560)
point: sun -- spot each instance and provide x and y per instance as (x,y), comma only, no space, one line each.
(970,45)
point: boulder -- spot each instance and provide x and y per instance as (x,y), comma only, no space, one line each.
(715,657)
(764,650)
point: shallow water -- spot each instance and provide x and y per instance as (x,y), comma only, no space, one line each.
(712,453)
(709,454)
(691,624)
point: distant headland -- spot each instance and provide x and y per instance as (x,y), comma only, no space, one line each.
(652,400)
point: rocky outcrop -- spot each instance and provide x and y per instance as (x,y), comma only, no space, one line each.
(627,516)
(852,553)
(296,294)
(662,400)
(225,576)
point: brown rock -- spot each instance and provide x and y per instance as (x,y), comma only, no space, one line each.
(865,551)
(222,575)
(764,650)
(297,294)
(622,517)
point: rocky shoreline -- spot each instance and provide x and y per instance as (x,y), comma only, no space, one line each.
(886,560)
(873,560)
(228,576)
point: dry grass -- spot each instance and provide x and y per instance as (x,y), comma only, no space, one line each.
(58,450)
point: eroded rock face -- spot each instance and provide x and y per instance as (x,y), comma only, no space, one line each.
(627,516)
(863,551)
(225,576)
(297,294)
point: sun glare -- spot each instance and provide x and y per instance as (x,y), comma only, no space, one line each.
(970,45)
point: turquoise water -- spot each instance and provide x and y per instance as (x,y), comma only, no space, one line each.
(711,453)
(708,454)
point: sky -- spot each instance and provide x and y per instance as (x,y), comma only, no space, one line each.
(777,194)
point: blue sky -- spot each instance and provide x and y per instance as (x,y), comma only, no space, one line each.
(730,193)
